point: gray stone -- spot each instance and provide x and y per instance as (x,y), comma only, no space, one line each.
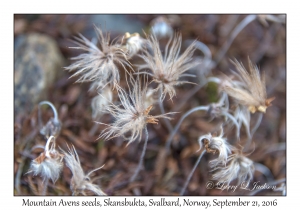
(37,63)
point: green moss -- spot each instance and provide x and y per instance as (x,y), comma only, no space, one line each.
(212,92)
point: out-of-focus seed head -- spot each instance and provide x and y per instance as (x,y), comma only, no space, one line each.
(101,101)
(99,64)
(133,43)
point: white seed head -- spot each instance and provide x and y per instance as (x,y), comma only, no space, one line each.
(253,95)
(216,144)
(80,182)
(99,64)
(49,163)
(132,116)
(166,70)
(238,167)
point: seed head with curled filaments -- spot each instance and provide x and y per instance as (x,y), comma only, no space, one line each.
(166,70)
(99,64)
(238,167)
(253,95)
(132,116)
(49,163)
(80,182)
(216,144)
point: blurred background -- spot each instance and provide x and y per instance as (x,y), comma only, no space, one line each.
(41,51)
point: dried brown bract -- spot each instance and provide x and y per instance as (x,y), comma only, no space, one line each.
(253,94)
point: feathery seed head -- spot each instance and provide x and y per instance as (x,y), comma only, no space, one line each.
(253,95)
(99,64)
(239,167)
(166,70)
(80,181)
(216,144)
(132,116)
(49,163)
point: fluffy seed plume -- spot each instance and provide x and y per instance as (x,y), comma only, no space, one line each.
(80,182)
(98,64)
(216,144)
(253,95)
(133,116)
(133,43)
(166,70)
(100,102)
(49,163)
(239,167)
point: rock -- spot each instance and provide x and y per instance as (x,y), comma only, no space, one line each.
(38,62)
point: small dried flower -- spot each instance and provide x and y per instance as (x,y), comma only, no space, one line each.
(166,71)
(101,101)
(132,117)
(80,183)
(99,64)
(216,144)
(49,163)
(239,167)
(254,94)
(134,43)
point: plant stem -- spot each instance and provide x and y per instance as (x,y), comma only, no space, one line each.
(191,173)
(141,158)
(234,33)
(45,186)
(162,110)
(169,140)
(264,170)
(250,136)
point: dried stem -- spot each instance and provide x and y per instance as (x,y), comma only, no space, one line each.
(45,187)
(234,33)
(169,140)
(163,112)
(264,170)
(191,173)
(250,135)
(141,158)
